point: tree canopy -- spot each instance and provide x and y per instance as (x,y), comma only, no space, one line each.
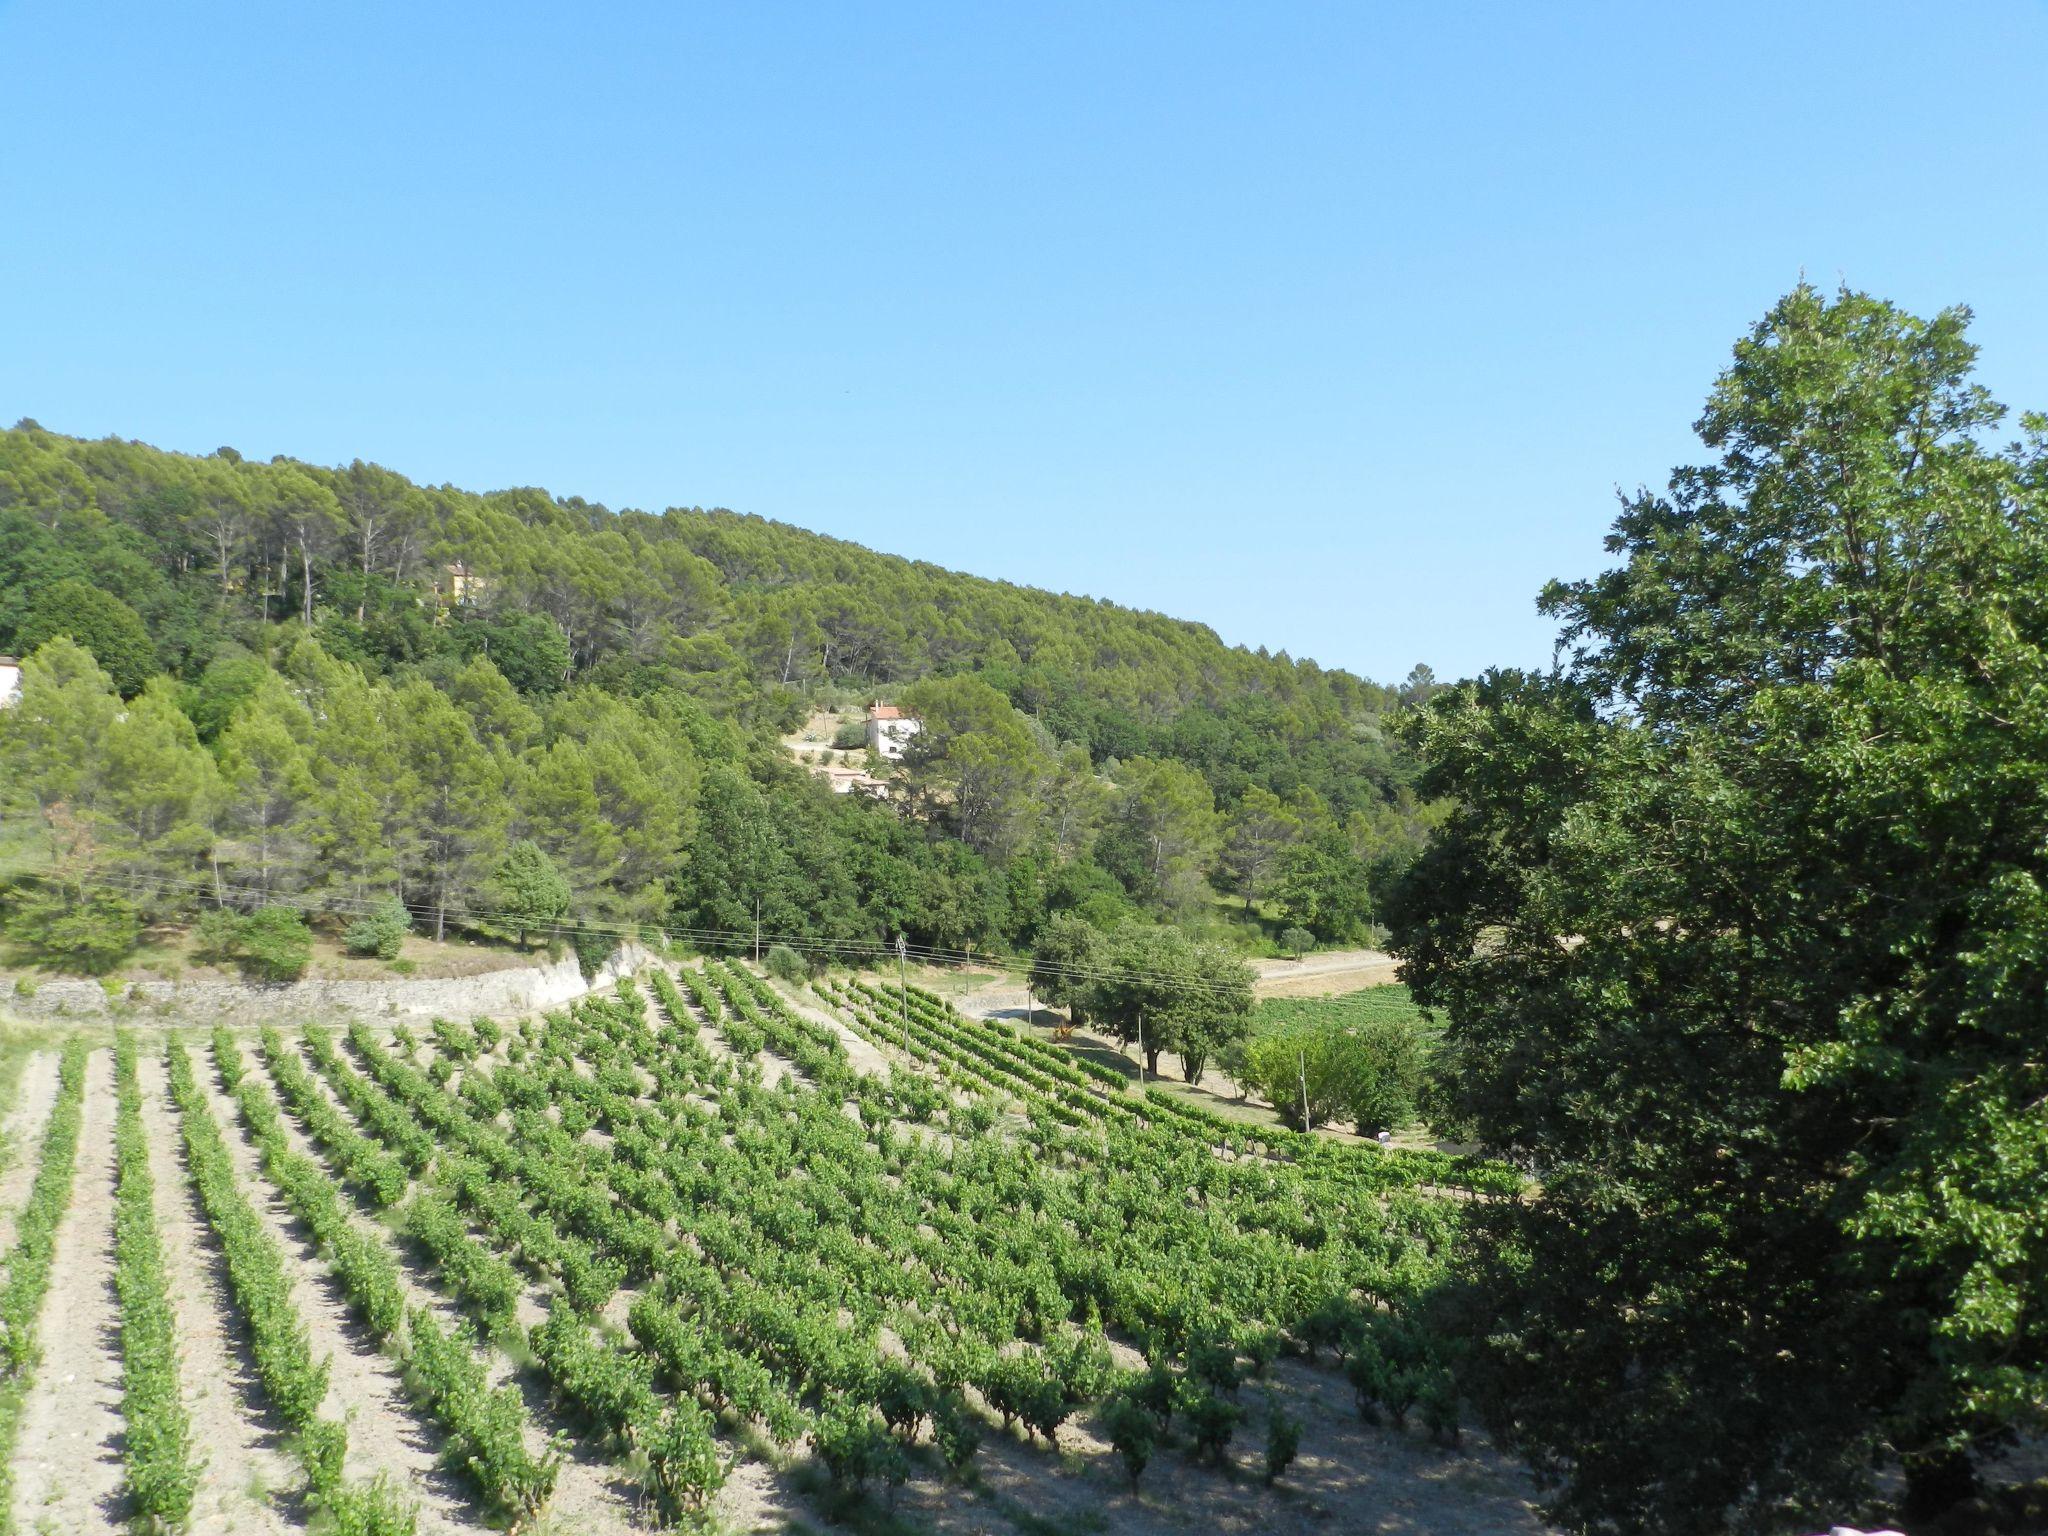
(1737,929)
(388,685)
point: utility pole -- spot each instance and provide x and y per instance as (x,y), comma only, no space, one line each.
(1301,1062)
(757,930)
(903,990)
(1141,1047)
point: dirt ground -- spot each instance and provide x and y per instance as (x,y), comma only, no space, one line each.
(1348,1476)
(242,1440)
(34,1095)
(1330,973)
(384,1433)
(68,1460)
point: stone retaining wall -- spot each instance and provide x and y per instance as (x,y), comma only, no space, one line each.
(508,993)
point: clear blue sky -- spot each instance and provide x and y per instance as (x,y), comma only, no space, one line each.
(1335,326)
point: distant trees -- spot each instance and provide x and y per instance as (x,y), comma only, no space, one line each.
(1154,987)
(591,667)
(322,784)
(974,763)
(1367,1071)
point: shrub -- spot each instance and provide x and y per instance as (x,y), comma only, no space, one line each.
(217,936)
(1283,1439)
(381,932)
(854,1449)
(1211,1421)
(531,893)
(785,964)
(592,950)
(956,1430)
(276,943)
(1132,1432)
(90,935)
(1297,941)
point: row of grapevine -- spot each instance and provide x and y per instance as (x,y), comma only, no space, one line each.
(442,1368)
(161,1476)
(676,1441)
(294,1383)
(774,1239)
(28,1262)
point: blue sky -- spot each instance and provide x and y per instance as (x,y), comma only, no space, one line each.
(1333,326)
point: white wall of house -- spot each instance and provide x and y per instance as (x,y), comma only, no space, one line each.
(10,680)
(889,735)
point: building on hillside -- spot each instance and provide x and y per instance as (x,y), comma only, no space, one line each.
(459,585)
(10,680)
(889,730)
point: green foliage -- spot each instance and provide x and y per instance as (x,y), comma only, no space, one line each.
(356,721)
(1283,1439)
(1297,941)
(786,964)
(107,627)
(89,933)
(382,932)
(1133,1433)
(29,1262)
(276,944)
(956,1431)
(1211,1420)
(1361,1057)
(528,892)
(1737,932)
(161,1476)
(855,1449)
(291,1380)
(1169,993)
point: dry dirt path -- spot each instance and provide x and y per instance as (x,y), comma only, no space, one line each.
(592,1494)
(384,1434)
(233,1429)
(1327,974)
(34,1096)
(68,1460)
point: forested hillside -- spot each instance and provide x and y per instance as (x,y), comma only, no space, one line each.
(258,685)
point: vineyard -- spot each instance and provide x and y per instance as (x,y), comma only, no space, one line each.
(698,1253)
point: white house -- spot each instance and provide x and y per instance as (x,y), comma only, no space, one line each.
(889,730)
(10,680)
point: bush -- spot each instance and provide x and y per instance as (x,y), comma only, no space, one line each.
(1297,941)
(956,1430)
(1283,1439)
(785,964)
(592,950)
(382,932)
(217,936)
(90,935)
(276,944)
(851,736)
(1368,1070)
(1132,1433)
